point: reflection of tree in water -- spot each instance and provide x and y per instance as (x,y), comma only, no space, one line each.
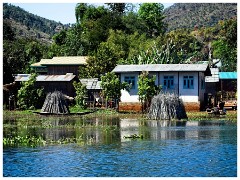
(109,130)
(87,130)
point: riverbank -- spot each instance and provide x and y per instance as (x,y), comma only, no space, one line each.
(192,116)
(34,129)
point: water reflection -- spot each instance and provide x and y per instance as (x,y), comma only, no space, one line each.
(180,148)
(110,130)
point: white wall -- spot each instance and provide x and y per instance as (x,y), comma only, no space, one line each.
(126,97)
(130,96)
(187,95)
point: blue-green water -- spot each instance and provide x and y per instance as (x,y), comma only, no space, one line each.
(191,149)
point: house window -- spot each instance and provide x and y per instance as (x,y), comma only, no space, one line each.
(130,80)
(188,82)
(168,82)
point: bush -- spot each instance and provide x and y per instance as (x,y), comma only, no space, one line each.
(30,97)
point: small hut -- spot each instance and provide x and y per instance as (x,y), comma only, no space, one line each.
(167,106)
(55,103)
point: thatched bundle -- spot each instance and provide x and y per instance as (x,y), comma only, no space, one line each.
(55,103)
(166,106)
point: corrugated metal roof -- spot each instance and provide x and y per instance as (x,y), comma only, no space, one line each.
(63,60)
(160,67)
(46,78)
(91,83)
(227,75)
(214,77)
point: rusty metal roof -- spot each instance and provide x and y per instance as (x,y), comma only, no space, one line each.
(47,78)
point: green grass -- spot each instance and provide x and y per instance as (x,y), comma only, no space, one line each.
(75,109)
(29,115)
(198,116)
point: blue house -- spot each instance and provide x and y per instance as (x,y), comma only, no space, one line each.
(187,80)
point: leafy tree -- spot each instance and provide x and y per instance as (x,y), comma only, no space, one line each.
(138,43)
(14,59)
(68,43)
(81,92)
(74,44)
(79,11)
(152,14)
(146,89)
(186,46)
(225,48)
(111,87)
(229,32)
(118,8)
(226,54)
(30,97)
(60,38)
(96,22)
(133,24)
(34,53)
(108,54)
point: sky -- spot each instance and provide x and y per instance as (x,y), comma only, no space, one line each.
(60,12)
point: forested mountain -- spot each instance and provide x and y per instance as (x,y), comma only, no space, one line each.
(177,16)
(28,25)
(190,15)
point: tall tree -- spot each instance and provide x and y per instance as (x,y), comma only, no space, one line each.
(117,7)
(14,59)
(81,93)
(152,14)
(146,89)
(111,87)
(108,54)
(79,11)
(225,48)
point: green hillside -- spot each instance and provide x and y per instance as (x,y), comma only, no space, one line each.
(28,25)
(190,15)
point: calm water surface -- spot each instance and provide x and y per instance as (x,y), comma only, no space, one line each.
(168,149)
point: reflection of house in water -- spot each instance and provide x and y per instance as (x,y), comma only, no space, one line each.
(165,130)
(107,131)
(129,127)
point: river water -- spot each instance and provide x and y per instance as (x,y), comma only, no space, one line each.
(168,149)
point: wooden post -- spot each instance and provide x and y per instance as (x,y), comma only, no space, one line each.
(221,90)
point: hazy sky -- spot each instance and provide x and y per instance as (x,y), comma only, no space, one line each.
(60,12)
